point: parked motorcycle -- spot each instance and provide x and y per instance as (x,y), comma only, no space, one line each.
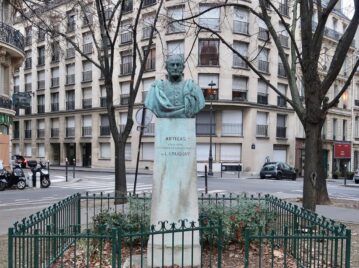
(10,179)
(44,173)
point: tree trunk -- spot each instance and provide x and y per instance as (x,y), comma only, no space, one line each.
(120,172)
(314,186)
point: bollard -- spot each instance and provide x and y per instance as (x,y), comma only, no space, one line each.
(48,167)
(205,180)
(73,172)
(66,167)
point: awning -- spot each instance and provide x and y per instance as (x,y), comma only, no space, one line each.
(342,150)
(5,119)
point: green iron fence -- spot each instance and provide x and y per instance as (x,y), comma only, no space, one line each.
(84,231)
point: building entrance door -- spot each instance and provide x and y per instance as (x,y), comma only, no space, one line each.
(70,152)
(55,147)
(86,154)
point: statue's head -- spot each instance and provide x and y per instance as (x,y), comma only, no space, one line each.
(174,67)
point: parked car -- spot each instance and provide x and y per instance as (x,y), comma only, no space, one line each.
(19,159)
(278,170)
(356,176)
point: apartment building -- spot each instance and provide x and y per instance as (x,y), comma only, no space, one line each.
(250,122)
(12,53)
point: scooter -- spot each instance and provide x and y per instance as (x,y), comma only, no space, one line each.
(44,173)
(9,179)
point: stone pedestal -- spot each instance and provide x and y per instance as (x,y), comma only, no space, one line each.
(174,193)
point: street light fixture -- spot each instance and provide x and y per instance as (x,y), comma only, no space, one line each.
(210,158)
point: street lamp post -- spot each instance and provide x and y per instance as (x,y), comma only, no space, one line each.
(210,157)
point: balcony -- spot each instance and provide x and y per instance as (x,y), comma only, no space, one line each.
(105,131)
(205,129)
(41,133)
(281,71)
(28,63)
(70,105)
(263,34)
(148,3)
(212,24)
(262,99)
(12,36)
(55,82)
(284,40)
(262,130)
(149,130)
(126,37)
(70,53)
(70,79)
(125,99)
(232,129)
(126,68)
(240,27)
(41,84)
(103,101)
(263,66)
(86,131)
(70,132)
(55,107)
(239,62)
(27,133)
(283,9)
(281,132)
(86,103)
(239,95)
(40,109)
(87,76)
(87,48)
(54,132)
(281,102)
(41,60)
(5,102)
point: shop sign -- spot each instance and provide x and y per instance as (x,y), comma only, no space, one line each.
(342,150)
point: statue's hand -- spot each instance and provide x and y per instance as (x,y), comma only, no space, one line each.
(188,107)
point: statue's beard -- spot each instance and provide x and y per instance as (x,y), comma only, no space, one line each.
(176,77)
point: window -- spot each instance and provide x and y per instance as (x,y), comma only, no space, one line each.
(232,123)
(28,36)
(175,48)
(175,13)
(105,125)
(240,21)
(28,150)
(40,128)
(70,126)
(262,124)
(87,98)
(147,152)
(55,79)
(103,100)
(128,152)
(263,60)
(16,148)
(125,93)
(335,93)
(126,31)
(209,19)
(262,92)
(87,71)
(231,152)
(263,33)
(283,7)
(28,82)
(105,150)
(202,151)
(70,74)
(86,125)
(55,52)
(356,127)
(70,100)
(208,92)
(239,88)
(335,128)
(40,150)
(54,102)
(204,124)
(27,129)
(208,52)
(283,36)
(40,104)
(242,49)
(281,126)
(41,80)
(55,127)
(16,84)
(28,59)
(146,86)
(148,22)
(71,23)
(281,102)
(151,60)
(126,62)
(87,43)
(87,16)
(41,55)
(344,130)
(281,70)
(123,121)
(70,50)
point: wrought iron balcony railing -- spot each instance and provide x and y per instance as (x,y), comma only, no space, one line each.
(281,132)
(41,133)
(149,130)
(284,9)
(87,76)
(262,99)
(86,131)
(262,130)
(40,109)
(105,131)
(70,53)
(205,129)
(41,84)
(27,133)
(284,40)
(281,102)
(240,27)
(70,79)
(54,132)
(55,107)
(263,34)
(70,105)
(263,66)
(125,98)
(126,68)
(5,102)
(87,103)
(28,63)
(103,101)
(126,37)
(70,132)
(232,129)
(281,70)
(87,48)
(11,36)
(55,82)
(239,95)
(239,62)
(213,24)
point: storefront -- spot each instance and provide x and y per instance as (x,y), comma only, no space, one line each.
(341,159)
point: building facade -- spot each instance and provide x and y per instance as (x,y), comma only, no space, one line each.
(11,56)
(250,122)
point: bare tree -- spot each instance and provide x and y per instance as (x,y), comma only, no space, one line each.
(104,19)
(306,52)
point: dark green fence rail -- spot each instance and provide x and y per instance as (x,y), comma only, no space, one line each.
(71,234)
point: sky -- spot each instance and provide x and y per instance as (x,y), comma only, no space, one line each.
(348,7)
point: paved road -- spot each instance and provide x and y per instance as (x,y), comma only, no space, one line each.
(16,204)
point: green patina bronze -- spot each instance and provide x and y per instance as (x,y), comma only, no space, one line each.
(175,97)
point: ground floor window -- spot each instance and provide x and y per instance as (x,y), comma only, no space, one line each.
(4,129)
(147,152)
(231,152)
(41,150)
(203,151)
(28,149)
(105,150)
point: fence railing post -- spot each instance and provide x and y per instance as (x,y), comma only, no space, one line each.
(10,259)
(79,209)
(66,169)
(205,180)
(220,243)
(348,242)
(73,172)
(246,248)
(36,248)
(114,246)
